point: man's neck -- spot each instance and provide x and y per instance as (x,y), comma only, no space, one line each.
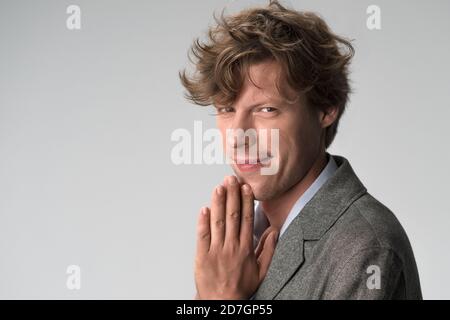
(277,209)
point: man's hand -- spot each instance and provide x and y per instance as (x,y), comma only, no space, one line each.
(226,264)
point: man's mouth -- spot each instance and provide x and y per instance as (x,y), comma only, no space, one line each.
(247,164)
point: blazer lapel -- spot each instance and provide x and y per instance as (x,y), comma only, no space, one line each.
(287,258)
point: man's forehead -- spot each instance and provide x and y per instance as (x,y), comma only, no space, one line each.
(265,81)
(262,78)
(262,84)
(258,85)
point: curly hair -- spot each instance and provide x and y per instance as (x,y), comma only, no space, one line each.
(314,61)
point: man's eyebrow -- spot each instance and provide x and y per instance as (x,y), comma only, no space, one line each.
(249,107)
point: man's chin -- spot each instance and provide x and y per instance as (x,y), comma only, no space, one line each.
(262,197)
(260,192)
(258,183)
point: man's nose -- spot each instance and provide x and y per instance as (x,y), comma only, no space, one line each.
(242,132)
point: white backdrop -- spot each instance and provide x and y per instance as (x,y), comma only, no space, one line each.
(86,118)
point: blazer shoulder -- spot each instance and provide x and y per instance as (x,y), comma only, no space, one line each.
(368,223)
(382,221)
(369,233)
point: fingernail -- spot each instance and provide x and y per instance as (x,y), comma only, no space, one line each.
(246,189)
(231,180)
(204,210)
(275,236)
(219,190)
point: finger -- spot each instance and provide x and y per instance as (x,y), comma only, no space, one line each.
(217,219)
(203,232)
(266,255)
(247,216)
(263,239)
(233,216)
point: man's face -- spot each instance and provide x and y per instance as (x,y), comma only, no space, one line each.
(299,131)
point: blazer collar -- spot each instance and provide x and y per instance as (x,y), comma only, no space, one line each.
(328,204)
(316,217)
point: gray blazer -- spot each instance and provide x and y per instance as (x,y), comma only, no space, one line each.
(344,244)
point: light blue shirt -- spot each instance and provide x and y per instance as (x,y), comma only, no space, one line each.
(261,223)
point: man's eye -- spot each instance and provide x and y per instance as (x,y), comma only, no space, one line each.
(225,110)
(268,109)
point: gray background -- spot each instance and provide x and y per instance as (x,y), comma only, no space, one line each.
(85,124)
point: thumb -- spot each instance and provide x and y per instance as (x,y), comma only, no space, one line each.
(266,254)
(262,240)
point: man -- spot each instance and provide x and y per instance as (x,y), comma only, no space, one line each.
(319,233)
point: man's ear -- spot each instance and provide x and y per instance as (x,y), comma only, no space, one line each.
(328,116)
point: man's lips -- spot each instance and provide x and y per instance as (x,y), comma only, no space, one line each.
(247,165)
(247,161)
